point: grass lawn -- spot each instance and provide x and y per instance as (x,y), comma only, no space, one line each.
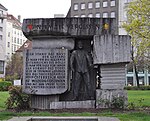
(139,98)
(3,97)
(133,96)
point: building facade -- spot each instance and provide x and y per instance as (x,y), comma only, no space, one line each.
(144,77)
(14,35)
(101,9)
(3,13)
(95,9)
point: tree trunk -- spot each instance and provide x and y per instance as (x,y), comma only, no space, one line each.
(136,75)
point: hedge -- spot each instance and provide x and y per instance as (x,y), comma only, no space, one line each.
(4,85)
(137,88)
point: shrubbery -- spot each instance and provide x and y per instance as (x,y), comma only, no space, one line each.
(17,98)
(137,88)
(4,85)
(2,79)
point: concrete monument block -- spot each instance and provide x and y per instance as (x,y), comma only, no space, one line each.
(68,27)
(113,76)
(53,43)
(104,97)
(72,104)
(111,49)
(46,73)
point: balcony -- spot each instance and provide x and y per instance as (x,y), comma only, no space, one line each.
(2,16)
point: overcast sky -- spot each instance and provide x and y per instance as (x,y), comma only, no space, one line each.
(36,8)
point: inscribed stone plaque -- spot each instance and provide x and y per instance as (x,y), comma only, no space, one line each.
(45,71)
(68,27)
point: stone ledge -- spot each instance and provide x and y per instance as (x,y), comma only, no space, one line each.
(64,119)
(72,104)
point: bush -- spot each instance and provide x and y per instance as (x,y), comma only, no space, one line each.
(118,102)
(4,85)
(17,98)
(2,79)
(137,88)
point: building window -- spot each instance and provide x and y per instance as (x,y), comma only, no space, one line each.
(15,48)
(141,80)
(83,15)
(90,15)
(113,3)
(127,1)
(129,81)
(98,15)
(125,14)
(8,44)
(18,41)
(82,6)
(1,67)
(1,37)
(1,29)
(97,5)
(90,5)
(105,15)
(76,16)
(75,6)
(1,20)
(105,4)
(12,48)
(15,40)
(21,41)
(8,34)
(112,15)
(1,12)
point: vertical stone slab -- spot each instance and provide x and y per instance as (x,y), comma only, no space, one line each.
(104,98)
(111,49)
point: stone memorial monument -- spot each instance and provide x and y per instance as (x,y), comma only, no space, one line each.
(74,62)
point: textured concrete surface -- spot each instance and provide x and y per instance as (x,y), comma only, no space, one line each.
(72,104)
(64,119)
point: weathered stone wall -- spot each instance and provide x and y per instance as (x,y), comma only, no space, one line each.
(104,98)
(113,76)
(112,49)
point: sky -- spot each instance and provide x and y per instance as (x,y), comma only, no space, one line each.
(36,8)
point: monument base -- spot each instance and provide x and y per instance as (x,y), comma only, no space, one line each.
(43,101)
(104,98)
(72,104)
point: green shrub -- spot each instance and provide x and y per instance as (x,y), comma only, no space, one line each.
(118,102)
(4,85)
(17,98)
(2,79)
(131,106)
(137,88)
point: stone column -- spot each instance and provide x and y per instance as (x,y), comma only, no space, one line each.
(112,53)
